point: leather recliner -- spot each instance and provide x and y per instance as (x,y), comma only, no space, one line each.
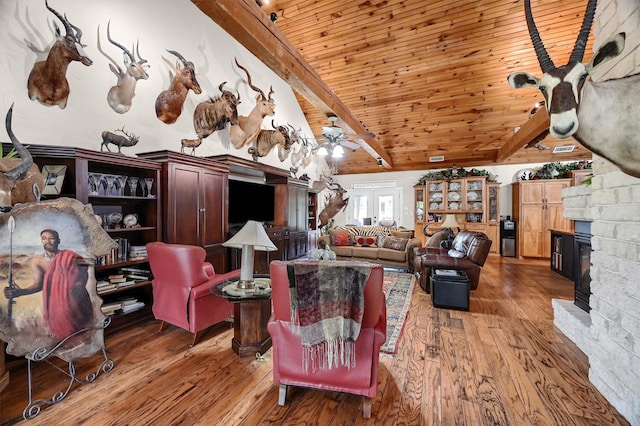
(288,369)
(182,288)
(469,252)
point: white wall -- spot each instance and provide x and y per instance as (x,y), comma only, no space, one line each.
(158,25)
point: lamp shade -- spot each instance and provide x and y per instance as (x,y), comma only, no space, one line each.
(251,237)
(323,151)
(450,221)
(251,234)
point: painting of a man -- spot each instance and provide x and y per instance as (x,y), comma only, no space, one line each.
(61,276)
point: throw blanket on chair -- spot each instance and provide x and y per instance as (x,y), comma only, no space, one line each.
(327,304)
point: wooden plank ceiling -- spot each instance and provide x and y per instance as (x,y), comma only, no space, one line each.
(428,78)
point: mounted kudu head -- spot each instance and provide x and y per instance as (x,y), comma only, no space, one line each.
(602,116)
(20,180)
(47,81)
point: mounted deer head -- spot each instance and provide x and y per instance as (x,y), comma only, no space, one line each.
(602,116)
(121,95)
(248,128)
(169,102)
(47,81)
(21,180)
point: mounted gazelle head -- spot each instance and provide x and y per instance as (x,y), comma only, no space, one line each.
(169,102)
(121,95)
(562,86)
(47,81)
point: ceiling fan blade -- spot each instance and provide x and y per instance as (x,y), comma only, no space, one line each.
(368,135)
(350,145)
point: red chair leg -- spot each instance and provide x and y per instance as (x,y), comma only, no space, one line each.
(163,326)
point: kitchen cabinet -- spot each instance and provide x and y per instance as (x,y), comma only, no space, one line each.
(537,208)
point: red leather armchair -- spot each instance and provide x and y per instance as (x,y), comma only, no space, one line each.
(288,367)
(182,283)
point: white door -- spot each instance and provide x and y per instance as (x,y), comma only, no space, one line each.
(374,204)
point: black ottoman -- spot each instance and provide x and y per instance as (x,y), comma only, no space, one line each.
(449,289)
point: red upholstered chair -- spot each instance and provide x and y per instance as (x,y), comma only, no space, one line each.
(182,282)
(288,367)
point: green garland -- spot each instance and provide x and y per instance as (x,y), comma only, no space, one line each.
(456,173)
(557,170)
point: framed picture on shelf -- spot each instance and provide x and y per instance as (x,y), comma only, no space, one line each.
(53,179)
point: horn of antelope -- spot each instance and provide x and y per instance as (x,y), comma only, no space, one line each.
(27,160)
(186,63)
(141,60)
(581,42)
(67,25)
(124,49)
(541,53)
(255,88)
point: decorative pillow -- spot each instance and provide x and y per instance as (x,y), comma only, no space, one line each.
(395,243)
(343,240)
(333,235)
(400,234)
(366,241)
(455,253)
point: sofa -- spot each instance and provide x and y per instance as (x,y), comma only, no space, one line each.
(390,247)
(469,251)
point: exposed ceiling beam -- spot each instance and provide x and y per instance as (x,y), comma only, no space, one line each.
(529,131)
(250,26)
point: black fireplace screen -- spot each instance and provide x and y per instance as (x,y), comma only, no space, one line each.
(582,278)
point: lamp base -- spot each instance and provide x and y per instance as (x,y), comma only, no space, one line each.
(245,284)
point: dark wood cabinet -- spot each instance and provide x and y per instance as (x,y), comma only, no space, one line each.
(298,210)
(195,194)
(101,180)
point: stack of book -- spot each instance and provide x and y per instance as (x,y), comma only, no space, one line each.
(120,280)
(136,274)
(136,252)
(104,286)
(123,306)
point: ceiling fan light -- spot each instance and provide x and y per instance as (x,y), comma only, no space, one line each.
(338,151)
(323,151)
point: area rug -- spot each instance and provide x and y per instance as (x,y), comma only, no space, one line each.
(398,289)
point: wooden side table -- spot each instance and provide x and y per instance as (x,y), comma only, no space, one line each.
(251,312)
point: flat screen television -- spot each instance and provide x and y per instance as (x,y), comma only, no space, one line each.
(251,201)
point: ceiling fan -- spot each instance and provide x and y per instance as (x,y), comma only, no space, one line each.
(336,139)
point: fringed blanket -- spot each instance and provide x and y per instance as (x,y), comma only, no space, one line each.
(327,304)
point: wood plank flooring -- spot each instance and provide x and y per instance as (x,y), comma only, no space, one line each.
(501,363)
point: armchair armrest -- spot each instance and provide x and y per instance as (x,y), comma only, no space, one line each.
(208,269)
(204,289)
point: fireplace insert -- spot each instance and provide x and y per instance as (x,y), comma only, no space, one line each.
(582,267)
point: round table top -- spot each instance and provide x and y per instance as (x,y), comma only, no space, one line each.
(229,290)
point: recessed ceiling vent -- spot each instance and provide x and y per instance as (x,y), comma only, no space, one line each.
(561,149)
(436,159)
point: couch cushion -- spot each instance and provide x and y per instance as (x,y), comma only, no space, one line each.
(365,252)
(343,251)
(366,241)
(343,240)
(401,234)
(391,254)
(395,243)
(333,235)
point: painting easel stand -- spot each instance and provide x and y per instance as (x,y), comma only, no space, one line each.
(43,354)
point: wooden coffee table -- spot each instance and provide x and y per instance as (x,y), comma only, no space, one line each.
(251,312)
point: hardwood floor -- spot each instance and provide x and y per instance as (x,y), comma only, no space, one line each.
(502,363)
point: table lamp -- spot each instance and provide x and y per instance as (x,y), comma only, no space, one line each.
(251,237)
(450,222)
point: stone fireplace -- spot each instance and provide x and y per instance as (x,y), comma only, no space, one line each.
(609,334)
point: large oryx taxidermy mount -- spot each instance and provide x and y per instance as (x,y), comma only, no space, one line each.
(169,102)
(21,180)
(337,202)
(602,116)
(248,127)
(47,81)
(121,95)
(214,114)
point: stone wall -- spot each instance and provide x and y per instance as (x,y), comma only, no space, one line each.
(610,334)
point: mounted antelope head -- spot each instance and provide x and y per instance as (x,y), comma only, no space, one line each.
(337,202)
(248,128)
(602,116)
(169,102)
(20,180)
(121,95)
(47,80)
(213,114)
